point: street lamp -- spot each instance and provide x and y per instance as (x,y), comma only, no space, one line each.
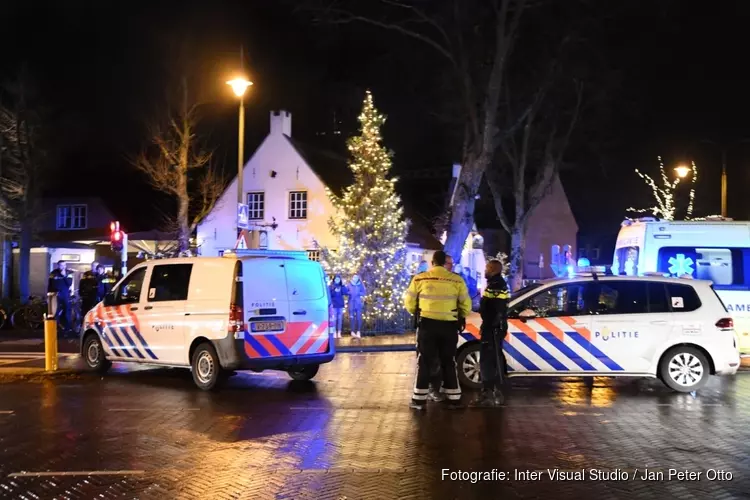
(682,171)
(239,86)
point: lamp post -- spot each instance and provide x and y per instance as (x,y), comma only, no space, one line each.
(239,86)
(682,171)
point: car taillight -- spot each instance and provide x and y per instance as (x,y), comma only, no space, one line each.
(725,324)
(235,319)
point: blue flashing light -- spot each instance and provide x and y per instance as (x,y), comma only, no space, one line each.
(680,265)
(584,262)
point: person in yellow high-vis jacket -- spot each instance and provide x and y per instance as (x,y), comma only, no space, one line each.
(442,298)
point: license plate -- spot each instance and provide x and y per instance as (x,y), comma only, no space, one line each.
(267,326)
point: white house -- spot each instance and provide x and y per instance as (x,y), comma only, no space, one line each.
(284,185)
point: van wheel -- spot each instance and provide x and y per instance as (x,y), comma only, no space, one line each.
(467,363)
(304,372)
(206,367)
(684,369)
(93,354)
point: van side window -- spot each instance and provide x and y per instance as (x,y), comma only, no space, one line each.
(169,282)
(303,280)
(658,301)
(129,291)
(622,297)
(683,298)
(723,266)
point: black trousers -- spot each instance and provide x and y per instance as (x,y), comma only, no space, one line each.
(63,313)
(436,344)
(492,373)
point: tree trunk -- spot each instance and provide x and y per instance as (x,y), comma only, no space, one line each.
(24,260)
(517,251)
(462,209)
(7,266)
(183,224)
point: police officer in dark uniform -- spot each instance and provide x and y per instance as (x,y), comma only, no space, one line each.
(107,281)
(101,284)
(60,282)
(493,307)
(88,289)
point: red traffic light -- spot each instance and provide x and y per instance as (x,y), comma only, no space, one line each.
(117,236)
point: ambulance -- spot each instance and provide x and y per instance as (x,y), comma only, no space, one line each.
(717,249)
(673,329)
(215,315)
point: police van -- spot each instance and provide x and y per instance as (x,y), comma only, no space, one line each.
(674,329)
(215,315)
(717,249)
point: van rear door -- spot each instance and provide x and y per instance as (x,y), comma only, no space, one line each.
(266,307)
(308,304)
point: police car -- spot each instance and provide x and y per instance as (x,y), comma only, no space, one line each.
(215,315)
(673,329)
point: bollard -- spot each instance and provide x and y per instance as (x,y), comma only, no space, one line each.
(50,333)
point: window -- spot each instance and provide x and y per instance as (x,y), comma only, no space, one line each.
(594,254)
(313,255)
(723,266)
(304,282)
(298,205)
(658,302)
(129,291)
(626,261)
(169,282)
(72,216)
(683,298)
(564,300)
(256,206)
(622,297)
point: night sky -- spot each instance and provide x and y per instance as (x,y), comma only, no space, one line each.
(103,69)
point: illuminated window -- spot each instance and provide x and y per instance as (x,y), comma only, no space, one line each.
(298,205)
(72,217)
(313,255)
(256,205)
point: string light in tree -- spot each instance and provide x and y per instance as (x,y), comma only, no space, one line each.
(369,222)
(664,195)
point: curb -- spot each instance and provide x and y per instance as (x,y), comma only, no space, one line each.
(377,348)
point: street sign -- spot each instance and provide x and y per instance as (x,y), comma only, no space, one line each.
(243,242)
(243,220)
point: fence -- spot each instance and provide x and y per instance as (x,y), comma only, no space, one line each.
(402,323)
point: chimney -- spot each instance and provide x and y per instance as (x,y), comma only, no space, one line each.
(281,123)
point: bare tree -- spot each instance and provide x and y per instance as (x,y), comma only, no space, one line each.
(175,161)
(475,39)
(22,161)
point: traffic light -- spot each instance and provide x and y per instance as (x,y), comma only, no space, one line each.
(115,236)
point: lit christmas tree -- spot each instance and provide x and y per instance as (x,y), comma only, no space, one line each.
(665,207)
(369,223)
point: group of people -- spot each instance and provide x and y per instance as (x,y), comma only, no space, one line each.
(441,301)
(351,295)
(93,286)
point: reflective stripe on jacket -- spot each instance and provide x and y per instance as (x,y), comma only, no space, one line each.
(438,294)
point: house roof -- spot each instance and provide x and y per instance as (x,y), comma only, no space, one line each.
(333,170)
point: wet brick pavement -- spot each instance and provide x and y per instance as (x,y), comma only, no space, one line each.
(149,434)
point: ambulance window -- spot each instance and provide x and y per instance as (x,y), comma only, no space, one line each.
(622,297)
(129,291)
(683,298)
(169,282)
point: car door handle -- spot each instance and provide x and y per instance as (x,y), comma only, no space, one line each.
(662,322)
(148,307)
(299,312)
(133,308)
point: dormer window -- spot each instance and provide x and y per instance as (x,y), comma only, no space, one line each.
(72,217)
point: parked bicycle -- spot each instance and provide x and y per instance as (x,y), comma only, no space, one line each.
(29,316)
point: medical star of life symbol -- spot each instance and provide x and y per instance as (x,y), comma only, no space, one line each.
(680,265)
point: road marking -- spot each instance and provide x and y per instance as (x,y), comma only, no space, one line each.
(154,409)
(79,473)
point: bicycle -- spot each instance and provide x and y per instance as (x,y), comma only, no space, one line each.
(29,316)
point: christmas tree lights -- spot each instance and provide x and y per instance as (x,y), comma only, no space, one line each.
(665,207)
(369,222)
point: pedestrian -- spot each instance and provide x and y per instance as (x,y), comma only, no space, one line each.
(493,308)
(338,302)
(471,283)
(88,289)
(108,280)
(442,298)
(437,380)
(60,282)
(357,292)
(102,288)
(422,267)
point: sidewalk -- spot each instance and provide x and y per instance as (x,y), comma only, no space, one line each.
(377,343)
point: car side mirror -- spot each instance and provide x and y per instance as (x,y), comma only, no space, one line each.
(526,315)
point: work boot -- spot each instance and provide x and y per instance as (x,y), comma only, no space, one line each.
(498,397)
(485,399)
(436,396)
(455,404)
(417,405)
